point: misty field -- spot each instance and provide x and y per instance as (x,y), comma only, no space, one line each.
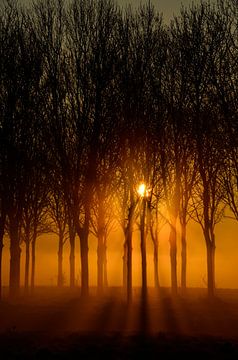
(59,324)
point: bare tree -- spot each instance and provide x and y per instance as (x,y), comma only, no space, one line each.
(181,118)
(58,213)
(35,221)
(91,35)
(140,36)
(203,42)
(224,77)
(156,222)
(3,21)
(102,223)
(20,80)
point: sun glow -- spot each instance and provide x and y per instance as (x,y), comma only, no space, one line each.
(142,191)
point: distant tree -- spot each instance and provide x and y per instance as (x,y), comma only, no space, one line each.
(35,222)
(2,228)
(189,178)
(3,21)
(126,174)
(224,77)
(58,213)
(2,209)
(139,35)
(20,82)
(203,44)
(72,236)
(91,36)
(183,144)
(36,189)
(156,221)
(229,178)
(127,202)
(9,31)
(148,37)
(49,24)
(102,222)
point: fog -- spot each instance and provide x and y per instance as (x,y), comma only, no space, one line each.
(226,258)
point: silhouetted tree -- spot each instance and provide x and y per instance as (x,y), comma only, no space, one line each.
(156,222)
(3,21)
(203,45)
(224,77)
(20,80)
(58,213)
(34,223)
(182,124)
(102,223)
(91,30)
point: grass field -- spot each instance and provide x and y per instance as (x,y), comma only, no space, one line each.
(58,324)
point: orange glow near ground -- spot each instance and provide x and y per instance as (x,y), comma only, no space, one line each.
(226,258)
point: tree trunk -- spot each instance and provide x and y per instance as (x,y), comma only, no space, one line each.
(128,244)
(15,256)
(27,265)
(33,263)
(210,268)
(2,225)
(154,238)
(124,259)
(100,261)
(173,257)
(84,263)
(129,265)
(156,264)
(183,258)
(72,259)
(143,250)
(60,280)
(1,248)
(83,238)
(101,251)
(105,278)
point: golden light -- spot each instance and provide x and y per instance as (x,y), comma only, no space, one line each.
(142,190)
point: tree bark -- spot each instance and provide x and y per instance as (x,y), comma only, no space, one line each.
(2,225)
(210,268)
(124,259)
(1,248)
(100,261)
(183,258)
(129,265)
(83,239)
(60,280)
(15,257)
(72,259)
(105,278)
(84,264)
(128,244)
(33,263)
(156,265)
(154,238)
(27,265)
(173,257)
(143,250)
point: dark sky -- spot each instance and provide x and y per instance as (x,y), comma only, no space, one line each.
(167,7)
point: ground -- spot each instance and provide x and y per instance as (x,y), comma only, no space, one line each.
(58,324)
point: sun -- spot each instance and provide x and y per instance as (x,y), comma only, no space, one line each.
(141,190)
